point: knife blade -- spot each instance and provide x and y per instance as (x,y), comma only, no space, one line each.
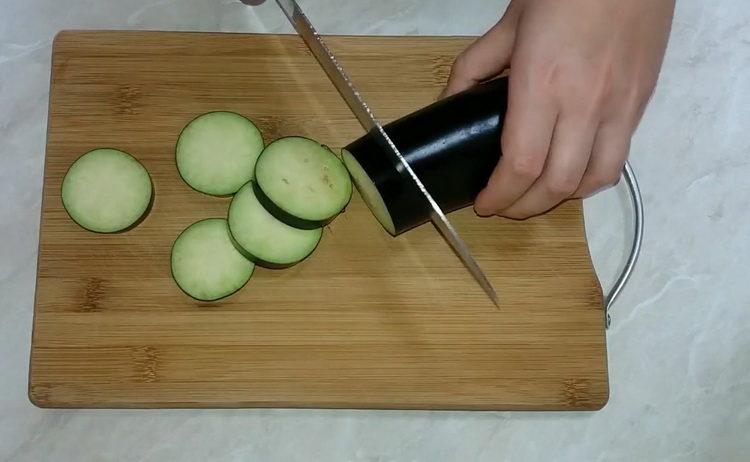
(367,119)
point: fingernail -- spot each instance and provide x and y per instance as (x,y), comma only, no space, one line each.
(483,211)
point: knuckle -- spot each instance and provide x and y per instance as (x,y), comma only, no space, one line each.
(520,159)
(527,166)
(460,64)
(562,186)
(611,178)
(606,179)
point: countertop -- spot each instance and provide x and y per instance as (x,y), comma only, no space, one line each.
(679,346)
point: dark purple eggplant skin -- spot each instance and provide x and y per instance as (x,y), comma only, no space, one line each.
(452,145)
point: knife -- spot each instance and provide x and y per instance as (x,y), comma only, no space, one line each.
(367,119)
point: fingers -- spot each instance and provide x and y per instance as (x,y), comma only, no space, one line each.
(487,57)
(566,164)
(610,152)
(526,137)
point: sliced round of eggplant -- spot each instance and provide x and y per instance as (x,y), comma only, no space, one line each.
(216,152)
(205,263)
(301,182)
(368,191)
(264,239)
(452,145)
(107,191)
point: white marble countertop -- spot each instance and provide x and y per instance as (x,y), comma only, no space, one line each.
(679,349)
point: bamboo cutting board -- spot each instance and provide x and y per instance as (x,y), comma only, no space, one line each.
(369,321)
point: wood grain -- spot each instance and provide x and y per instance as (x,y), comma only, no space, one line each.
(368,321)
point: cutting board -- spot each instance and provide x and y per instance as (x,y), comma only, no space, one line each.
(369,321)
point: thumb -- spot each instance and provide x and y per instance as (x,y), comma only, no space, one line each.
(487,57)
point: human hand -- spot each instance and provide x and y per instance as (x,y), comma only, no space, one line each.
(581,75)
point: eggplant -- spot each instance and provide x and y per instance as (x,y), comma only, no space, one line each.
(452,145)
(301,182)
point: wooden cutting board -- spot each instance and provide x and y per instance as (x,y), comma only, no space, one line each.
(369,321)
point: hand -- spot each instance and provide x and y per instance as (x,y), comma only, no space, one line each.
(581,75)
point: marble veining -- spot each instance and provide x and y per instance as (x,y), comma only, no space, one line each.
(679,348)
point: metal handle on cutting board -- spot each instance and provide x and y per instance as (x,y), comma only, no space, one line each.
(635,250)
